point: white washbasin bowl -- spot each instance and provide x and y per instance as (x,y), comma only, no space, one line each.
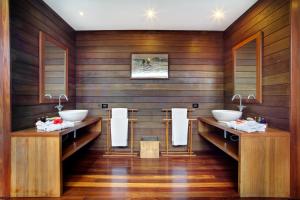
(226,115)
(73,115)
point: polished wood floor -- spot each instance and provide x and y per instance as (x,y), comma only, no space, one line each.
(90,176)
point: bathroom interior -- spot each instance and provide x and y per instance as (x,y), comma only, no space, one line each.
(150,99)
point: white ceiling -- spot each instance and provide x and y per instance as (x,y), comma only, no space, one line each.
(130,14)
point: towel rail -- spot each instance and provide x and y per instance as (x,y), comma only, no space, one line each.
(131,121)
(166,120)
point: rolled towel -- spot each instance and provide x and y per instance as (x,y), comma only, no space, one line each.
(179,126)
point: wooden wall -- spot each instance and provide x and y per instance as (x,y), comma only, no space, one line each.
(273,18)
(295,97)
(28,17)
(195,76)
(5,100)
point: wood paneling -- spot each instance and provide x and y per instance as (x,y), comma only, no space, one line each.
(272,18)
(103,76)
(295,97)
(37,157)
(36,167)
(28,17)
(264,166)
(5,100)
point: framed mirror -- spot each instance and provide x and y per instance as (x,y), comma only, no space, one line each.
(53,61)
(247,67)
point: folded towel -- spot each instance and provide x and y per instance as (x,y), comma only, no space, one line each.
(119,113)
(247,126)
(179,126)
(48,126)
(119,127)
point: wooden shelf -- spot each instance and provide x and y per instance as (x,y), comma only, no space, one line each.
(228,147)
(78,143)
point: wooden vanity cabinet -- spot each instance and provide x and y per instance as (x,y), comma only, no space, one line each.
(37,157)
(263,158)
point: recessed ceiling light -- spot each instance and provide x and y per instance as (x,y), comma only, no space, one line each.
(81,13)
(150,14)
(218,14)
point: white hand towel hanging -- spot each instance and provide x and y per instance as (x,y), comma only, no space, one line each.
(119,127)
(180,125)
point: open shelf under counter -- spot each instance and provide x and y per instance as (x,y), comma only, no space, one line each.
(37,157)
(77,144)
(230,148)
(263,158)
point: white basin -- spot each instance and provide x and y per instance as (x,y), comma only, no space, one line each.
(73,115)
(226,115)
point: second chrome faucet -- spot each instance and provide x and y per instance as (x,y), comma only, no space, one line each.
(59,107)
(241,106)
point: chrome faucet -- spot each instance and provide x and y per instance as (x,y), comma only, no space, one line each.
(251,96)
(59,107)
(49,96)
(241,107)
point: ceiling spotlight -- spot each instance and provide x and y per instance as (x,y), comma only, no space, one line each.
(81,13)
(218,14)
(150,14)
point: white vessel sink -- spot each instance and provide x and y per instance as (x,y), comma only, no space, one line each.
(226,115)
(73,115)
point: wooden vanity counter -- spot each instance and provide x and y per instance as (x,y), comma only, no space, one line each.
(263,158)
(37,157)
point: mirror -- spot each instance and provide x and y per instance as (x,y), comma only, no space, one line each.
(247,60)
(53,58)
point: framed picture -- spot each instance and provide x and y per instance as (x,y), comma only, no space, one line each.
(149,66)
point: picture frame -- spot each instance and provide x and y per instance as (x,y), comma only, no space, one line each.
(149,66)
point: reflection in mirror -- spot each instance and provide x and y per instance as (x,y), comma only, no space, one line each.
(55,66)
(53,69)
(245,74)
(247,67)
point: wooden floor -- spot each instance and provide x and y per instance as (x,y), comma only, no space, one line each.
(208,176)
(90,176)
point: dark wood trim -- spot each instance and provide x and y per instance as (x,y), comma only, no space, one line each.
(42,38)
(149,77)
(5,100)
(259,55)
(295,98)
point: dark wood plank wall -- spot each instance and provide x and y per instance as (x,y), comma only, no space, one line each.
(273,18)
(103,76)
(28,17)
(295,97)
(5,100)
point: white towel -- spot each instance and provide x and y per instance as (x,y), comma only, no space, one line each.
(180,125)
(119,127)
(49,126)
(119,113)
(247,126)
